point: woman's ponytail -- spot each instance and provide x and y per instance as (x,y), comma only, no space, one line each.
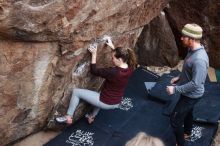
(127,56)
(132,60)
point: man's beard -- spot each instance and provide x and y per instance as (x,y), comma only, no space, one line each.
(184,45)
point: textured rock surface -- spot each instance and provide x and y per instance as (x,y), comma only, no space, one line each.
(205,13)
(25,73)
(78,20)
(156,44)
(37,78)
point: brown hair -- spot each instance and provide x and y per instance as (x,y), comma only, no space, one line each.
(142,139)
(127,55)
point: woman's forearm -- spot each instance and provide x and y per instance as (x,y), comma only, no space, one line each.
(93,61)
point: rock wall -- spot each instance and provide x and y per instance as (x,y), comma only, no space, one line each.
(43,53)
(205,13)
(25,74)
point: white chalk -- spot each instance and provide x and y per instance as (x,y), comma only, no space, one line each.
(106,38)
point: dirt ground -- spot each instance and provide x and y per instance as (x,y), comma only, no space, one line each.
(37,139)
(216,141)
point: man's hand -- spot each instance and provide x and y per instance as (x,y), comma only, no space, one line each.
(170,90)
(174,80)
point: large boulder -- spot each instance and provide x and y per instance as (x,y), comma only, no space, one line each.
(156,45)
(206,14)
(43,53)
(25,74)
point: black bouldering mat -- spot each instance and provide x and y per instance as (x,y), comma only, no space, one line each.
(208,108)
(202,134)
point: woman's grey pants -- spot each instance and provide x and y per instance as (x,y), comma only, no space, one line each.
(89,96)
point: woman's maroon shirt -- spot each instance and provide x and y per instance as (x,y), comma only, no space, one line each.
(116,80)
